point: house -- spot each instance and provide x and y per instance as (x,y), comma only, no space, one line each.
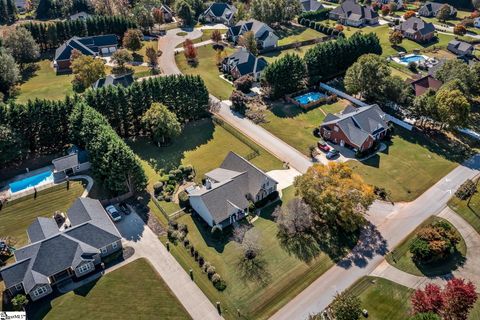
(356,128)
(82,15)
(398,3)
(228,190)
(242,63)
(103,45)
(167,13)
(219,13)
(77,160)
(420,86)
(21,5)
(460,48)
(264,35)
(417,30)
(310,5)
(431,9)
(58,253)
(476,22)
(114,80)
(353,14)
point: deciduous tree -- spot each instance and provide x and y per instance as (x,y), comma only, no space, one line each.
(9,72)
(86,70)
(409,14)
(453,107)
(132,39)
(190,51)
(248,41)
(21,45)
(161,123)
(121,58)
(152,56)
(346,307)
(19,301)
(285,75)
(444,13)
(216,36)
(395,38)
(459,30)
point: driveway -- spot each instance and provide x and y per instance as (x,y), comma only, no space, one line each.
(147,245)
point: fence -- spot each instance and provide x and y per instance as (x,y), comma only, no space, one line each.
(120,198)
(157,204)
(239,136)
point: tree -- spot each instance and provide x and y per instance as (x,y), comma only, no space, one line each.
(248,41)
(158,16)
(385,10)
(184,12)
(8,12)
(367,77)
(285,75)
(9,72)
(398,91)
(428,300)
(19,302)
(425,316)
(21,45)
(346,307)
(143,17)
(244,83)
(216,36)
(161,123)
(190,51)
(239,102)
(336,195)
(409,14)
(455,69)
(12,146)
(453,107)
(121,57)
(274,11)
(86,70)
(152,56)
(459,30)
(444,13)
(132,39)
(424,107)
(476,4)
(395,38)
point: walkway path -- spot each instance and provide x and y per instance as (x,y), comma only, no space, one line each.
(89,183)
(470,270)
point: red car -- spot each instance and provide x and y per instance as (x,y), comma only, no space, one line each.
(323,146)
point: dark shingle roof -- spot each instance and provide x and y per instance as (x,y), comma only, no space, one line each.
(354,11)
(92,235)
(86,45)
(42,228)
(415,24)
(459,46)
(432,8)
(311,5)
(114,80)
(220,9)
(246,62)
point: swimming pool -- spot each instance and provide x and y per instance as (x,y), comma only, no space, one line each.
(30,182)
(309,97)
(412,58)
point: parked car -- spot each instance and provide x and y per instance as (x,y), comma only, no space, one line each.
(113,213)
(332,154)
(322,145)
(125,209)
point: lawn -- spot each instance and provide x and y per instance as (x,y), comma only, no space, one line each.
(296,34)
(208,70)
(469,211)
(206,35)
(411,164)
(132,292)
(280,276)
(275,55)
(401,257)
(382,298)
(295,126)
(17,216)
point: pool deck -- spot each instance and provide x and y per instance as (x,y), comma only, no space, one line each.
(399,61)
(5,192)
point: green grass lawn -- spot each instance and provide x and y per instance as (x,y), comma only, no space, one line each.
(206,35)
(402,259)
(275,55)
(17,216)
(284,275)
(45,84)
(469,211)
(295,126)
(296,34)
(208,70)
(410,165)
(135,291)
(382,298)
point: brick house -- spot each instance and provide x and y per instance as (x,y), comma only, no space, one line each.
(417,30)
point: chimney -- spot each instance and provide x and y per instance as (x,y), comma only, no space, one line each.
(208,184)
(415,26)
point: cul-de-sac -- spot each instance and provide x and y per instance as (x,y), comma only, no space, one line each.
(240,159)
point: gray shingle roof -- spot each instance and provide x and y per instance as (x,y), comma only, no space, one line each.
(460,46)
(42,228)
(430,9)
(114,80)
(246,62)
(415,24)
(66,162)
(351,9)
(86,45)
(311,5)
(220,9)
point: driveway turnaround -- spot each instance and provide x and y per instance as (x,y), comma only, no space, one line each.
(147,245)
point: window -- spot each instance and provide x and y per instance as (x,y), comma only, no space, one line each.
(335,129)
(114,245)
(40,291)
(104,250)
(84,268)
(18,287)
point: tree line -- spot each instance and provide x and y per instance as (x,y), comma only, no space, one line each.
(8,12)
(51,9)
(51,35)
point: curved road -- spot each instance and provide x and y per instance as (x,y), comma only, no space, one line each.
(390,223)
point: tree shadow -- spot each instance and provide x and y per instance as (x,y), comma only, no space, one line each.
(370,243)
(29,72)
(86,288)
(285,32)
(254,270)
(443,267)
(285,110)
(216,242)
(137,57)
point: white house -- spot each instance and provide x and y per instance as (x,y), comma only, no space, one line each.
(476,22)
(242,62)
(219,13)
(228,190)
(264,35)
(351,13)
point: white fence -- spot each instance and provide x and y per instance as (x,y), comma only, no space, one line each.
(360,103)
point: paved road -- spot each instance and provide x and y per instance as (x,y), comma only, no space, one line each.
(147,245)
(391,229)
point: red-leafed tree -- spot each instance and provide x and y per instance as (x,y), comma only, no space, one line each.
(459,297)
(452,303)
(385,10)
(190,51)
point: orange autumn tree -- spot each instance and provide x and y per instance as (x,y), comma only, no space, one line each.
(336,195)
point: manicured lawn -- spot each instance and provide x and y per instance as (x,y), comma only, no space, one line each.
(382,298)
(208,70)
(294,126)
(401,257)
(410,165)
(296,34)
(469,211)
(281,276)
(132,292)
(207,34)
(45,84)
(140,55)
(402,74)
(17,216)
(272,56)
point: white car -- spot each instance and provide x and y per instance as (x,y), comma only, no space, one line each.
(113,213)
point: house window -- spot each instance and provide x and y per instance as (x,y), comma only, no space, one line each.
(104,250)
(18,287)
(335,129)
(84,268)
(114,245)
(40,291)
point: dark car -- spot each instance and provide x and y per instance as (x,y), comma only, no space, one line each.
(125,209)
(323,146)
(332,154)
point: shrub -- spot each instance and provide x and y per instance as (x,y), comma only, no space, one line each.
(466,190)
(218,282)
(183,198)
(188,169)
(169,189)
(192,250)
(210,272)
(183,227)
(173,224)
(412,66)
(186,242)
(261,203)
(206,266)
(239,101)
(244,83)
(201,261)
(216,277)
(157,187)
(318,15)
(195,255)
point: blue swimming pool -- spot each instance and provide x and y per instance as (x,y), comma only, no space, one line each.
(413,58)
(33,181)
(309,97)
